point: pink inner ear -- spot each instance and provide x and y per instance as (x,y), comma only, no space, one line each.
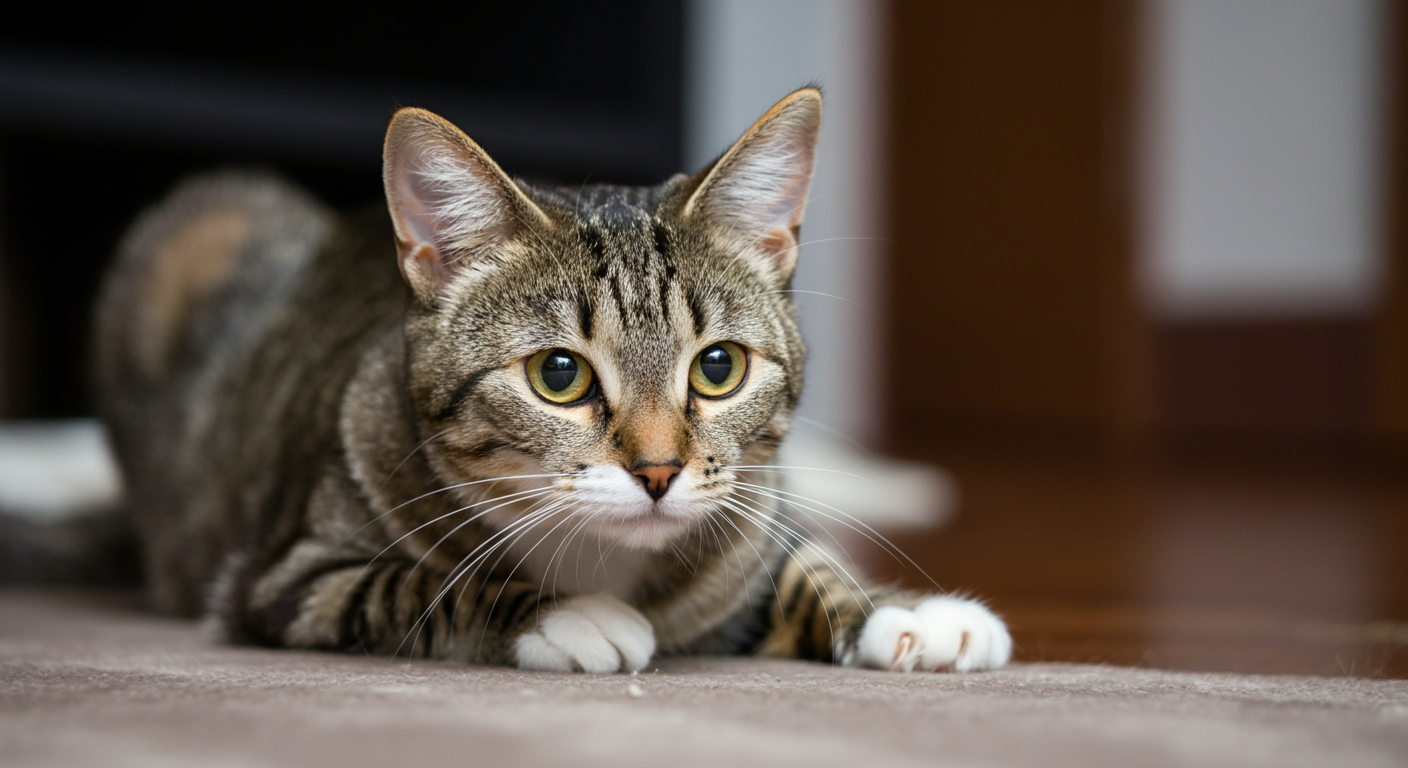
(416,219)
(425,183)
(421,263)
(424,259)
(414,193)
(759,188)
(782,244)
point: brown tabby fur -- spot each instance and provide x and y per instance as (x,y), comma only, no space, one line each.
(288,409)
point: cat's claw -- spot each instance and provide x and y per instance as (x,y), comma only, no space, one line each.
(940,634)
(592,633)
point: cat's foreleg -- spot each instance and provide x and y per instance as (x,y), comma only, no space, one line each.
(823,613)
(394,607)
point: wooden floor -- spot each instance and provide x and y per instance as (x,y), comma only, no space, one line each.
(1189,563)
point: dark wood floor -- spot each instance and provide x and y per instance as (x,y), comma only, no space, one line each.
(1294,566)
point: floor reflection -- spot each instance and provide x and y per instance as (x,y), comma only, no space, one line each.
(1159,561)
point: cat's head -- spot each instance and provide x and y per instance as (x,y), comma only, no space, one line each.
(628,348)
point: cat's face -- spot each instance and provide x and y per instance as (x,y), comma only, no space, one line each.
(622,352)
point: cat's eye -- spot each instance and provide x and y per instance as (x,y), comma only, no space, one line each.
(719,369)
(560,376)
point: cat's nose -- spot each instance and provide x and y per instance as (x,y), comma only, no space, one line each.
(656,477)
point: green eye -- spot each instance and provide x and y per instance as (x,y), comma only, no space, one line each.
(560,376)
(719,369)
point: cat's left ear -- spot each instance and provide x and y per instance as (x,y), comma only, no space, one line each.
(450,203)
(757,192)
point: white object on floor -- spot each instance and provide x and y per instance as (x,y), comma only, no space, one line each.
(879,491)
(56,469)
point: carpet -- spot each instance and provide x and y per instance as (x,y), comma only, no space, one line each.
(87,678)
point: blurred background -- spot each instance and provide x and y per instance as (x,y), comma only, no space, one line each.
(1134,273)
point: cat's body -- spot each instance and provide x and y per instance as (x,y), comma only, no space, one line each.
(541,443)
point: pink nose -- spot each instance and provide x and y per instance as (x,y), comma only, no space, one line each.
(656,477)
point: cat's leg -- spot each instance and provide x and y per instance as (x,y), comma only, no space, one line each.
(395,607)
(825,614)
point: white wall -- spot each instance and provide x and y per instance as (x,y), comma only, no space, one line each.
(1265,155)
(744,55)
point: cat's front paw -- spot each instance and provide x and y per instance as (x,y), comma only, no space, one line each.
(592,633)
(941,633)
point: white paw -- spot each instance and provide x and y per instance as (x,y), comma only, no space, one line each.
(592,633)
(941,633)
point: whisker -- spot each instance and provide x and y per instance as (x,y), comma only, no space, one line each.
(749,541)
(870,533)
(818,293)
(829,429)
(518,530)
(808,571)
(459,571)
(715,529)
(802,528)
(560,555)
(524,494)
(854,237)
(498,537)
(521,560)
(549,511)
(406,577)
(775,467)
(487,548)
(553,508)
(743,572)
(412,453)
(447,582)
(561,550)
(760,518)
(475,482)
(450,488)
(602,556)
(766,492)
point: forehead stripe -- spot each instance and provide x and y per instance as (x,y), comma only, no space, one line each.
(662,241)
(594,244)
(696,311)
(586,314)
(622,311)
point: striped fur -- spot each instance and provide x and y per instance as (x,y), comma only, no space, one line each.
(331,442)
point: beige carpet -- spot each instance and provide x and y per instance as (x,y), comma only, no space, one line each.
(86,679)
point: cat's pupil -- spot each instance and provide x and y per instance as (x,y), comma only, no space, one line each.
(716,364)
(559,371)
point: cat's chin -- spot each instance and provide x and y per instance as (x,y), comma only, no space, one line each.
(650,533)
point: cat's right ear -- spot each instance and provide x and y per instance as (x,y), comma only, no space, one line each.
(756,192)
(449,202)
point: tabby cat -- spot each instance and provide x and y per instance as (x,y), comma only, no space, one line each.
(542,442)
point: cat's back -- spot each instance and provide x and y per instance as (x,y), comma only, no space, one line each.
(207,333)
(196,273)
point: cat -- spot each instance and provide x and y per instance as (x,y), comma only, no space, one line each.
(491,422)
